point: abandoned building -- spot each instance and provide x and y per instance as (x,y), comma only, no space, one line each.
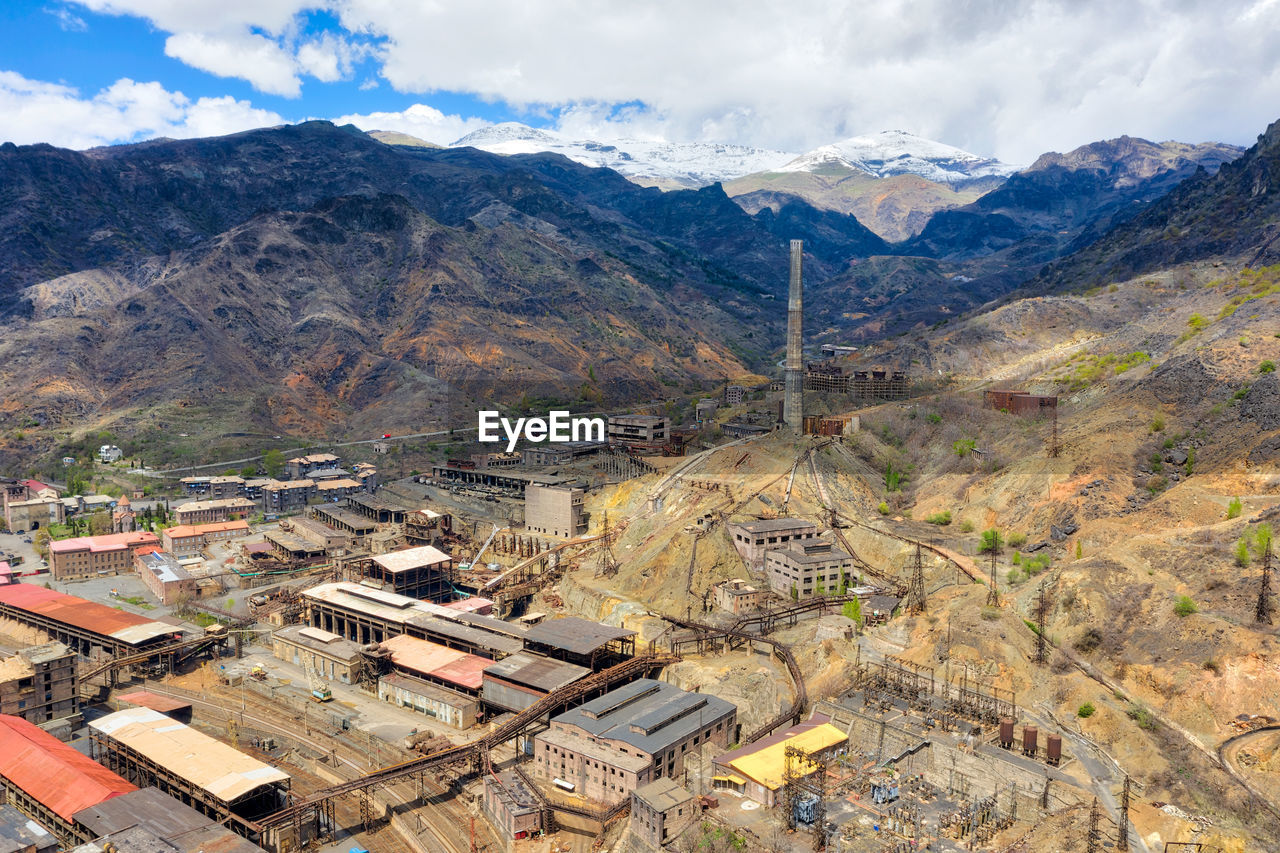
(644,434)
(38,683)
(91,556)
(424,572)
(807,567)
(554,510)
(1021,402)
(737,596)
(754,538)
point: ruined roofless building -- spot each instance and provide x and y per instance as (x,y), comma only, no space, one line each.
(793,401)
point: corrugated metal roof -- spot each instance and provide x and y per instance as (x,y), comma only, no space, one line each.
(225,772)
(154,701)
(647,714)
(466,672)
(412,558)
(427,689)
(533,670)
(768,765)
(106,542)
(51,772)
(576,635)
(85,615)
(431,624)
(420,655)
(770,525)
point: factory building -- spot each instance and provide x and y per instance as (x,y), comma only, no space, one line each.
(89,628)
(170,707)
(328,654)
(92,556)
(424,572)
(511,806)
(660,811)
(448,706)
(554,510)
(151,749)
(516,682)
(757,770)
(50,782)
(612,745)
(376,509)
(808,567)
(150,820)
(341,518)
(737,596)
(754,539)
(38,683)
(21,834)
(645,434)
(561,453)
(581,641)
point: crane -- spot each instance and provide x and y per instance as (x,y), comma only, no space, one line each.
(320,691)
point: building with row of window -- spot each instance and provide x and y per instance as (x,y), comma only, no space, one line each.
(92,556)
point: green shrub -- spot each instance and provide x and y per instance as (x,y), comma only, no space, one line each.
(1241,393)
(1233,508)
(963,447)
(883,508)
(1079,549)
(1143,717)
(990,614)
(853,610)
(1196,322)
(1017,540)
(1185,606)
(1157,423)
(1267,366)
(1262,539)
(966,526)
(1017,558)
(940,518)
(1242,554)
(991,540)
(933,418)
(1085,711)
(1014,576)
(1191,461)
(892,478)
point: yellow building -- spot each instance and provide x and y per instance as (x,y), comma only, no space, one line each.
(757,770)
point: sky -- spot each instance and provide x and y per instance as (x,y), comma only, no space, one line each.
(995,77)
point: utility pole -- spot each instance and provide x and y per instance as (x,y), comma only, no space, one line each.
(1042,612)
(1055,449)
(1122,835)
(1093,842)
(1263,614)
(993,592)
(915,593)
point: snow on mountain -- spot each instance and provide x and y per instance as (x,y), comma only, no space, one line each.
(687,164)
(896,152)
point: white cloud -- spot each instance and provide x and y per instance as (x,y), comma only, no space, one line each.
(68,20)
(36,111)
(994,77)
(419,120)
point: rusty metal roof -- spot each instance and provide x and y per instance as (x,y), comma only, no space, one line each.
(51,772)
(576,635)
(532,670)
(154,701)
(85,615)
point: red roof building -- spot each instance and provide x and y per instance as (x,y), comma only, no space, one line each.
(50,781)
(82,624)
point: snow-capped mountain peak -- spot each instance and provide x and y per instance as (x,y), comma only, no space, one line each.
(687,164)
(896,152)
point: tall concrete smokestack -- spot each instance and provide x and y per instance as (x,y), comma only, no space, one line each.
(793,402)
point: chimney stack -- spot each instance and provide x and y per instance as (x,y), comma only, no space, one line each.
(793,401)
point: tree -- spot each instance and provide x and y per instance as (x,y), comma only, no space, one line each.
(100,523)
(795,593)
(991,540)
(1234,506)
(1242,553)
(248,472)
(963,447)
(273,461)
(1185,606)
(1261,539)
(853,610)
(1079,549)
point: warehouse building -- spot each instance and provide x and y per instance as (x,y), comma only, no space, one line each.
(516,682)
(437,664)
(150,820)
(89,628)
(366,615)
(640,433)
(754,539)
(424,572)
(91,556)
(376,509)
(38,683)
(581,641)
(757,770)
(327,653)
(21,834)
(612,745)
(170,707)
(448,706)
(341,518)
(151,749)
(737,596)
(50,782)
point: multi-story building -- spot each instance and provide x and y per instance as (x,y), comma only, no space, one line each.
(561,453)
(221,488)
(161,573)
(629,737)
(554,510)
(738,596)
(734,395)
(332,491)
(641,433)
(754,538)
(186,540)
(288,496)
(39,683)
(660,811)
(207,512)
(28,515)
(301,466)
(90,556)
(808,567)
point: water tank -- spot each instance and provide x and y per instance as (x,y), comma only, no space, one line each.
(1006,733)
(1029,740)
(1054,746)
